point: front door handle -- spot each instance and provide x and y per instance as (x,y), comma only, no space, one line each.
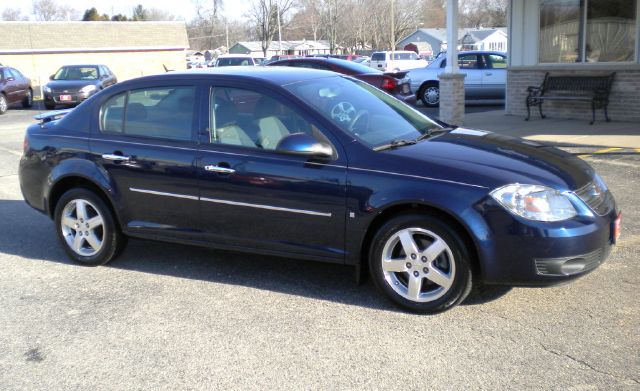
(114,157)
(219,169)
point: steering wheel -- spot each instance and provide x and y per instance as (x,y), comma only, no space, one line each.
(358,118)
(343,112)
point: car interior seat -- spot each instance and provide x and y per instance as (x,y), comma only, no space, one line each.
(227,130)
(272,130)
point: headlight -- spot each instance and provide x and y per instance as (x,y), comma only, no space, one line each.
(88,89)
(534,202)
(46,89)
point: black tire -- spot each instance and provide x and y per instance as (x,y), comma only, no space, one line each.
(113,241)
(4,104)
(453,262)
(49,106)
(425,89)
(27,102)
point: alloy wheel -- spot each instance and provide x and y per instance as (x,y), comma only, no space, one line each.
(418,264)
(83,227)
(431,95)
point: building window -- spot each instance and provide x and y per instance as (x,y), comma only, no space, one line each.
(587,31)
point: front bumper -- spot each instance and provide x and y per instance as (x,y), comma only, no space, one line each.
(76,98)
(525,253)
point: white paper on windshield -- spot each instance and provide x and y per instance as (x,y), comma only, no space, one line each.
(470,132)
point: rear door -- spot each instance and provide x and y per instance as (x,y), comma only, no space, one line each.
(145,142)
(13,86)
(494,76)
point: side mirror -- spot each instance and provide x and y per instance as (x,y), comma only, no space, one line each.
(51,77)
(304,145)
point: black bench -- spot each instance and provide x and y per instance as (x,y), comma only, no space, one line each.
(594,89)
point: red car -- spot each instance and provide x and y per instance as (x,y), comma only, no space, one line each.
(14,88)
(395,83)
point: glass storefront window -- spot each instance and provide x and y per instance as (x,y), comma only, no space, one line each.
(587,31)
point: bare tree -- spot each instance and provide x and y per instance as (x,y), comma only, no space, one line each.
(264,15)
(47,10)
(13,14)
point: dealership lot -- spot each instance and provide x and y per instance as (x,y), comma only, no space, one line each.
(171,317)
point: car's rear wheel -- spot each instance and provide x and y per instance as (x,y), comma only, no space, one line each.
(430,94)
(87,229)
(49,106)
(4,105)
(27,102)
(420,263)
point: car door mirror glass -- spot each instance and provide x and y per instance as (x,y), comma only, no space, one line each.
(304,145)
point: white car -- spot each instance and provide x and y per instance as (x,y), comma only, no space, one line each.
(398,60)
(486,77)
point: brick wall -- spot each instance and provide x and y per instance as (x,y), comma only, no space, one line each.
(125,65)
(624,100)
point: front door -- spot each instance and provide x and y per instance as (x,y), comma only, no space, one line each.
(145,142)
(470,65)
(253,197)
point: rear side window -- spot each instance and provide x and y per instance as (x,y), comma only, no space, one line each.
(497,61)
(405,56)
(378,57)
(165,112)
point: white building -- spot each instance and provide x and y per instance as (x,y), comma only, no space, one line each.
(300,48)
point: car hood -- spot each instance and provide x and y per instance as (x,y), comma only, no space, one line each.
(490,160)
(70,84)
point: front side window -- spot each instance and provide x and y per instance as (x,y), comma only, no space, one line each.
(468,61)
(587,31)
(165,113)
(363,111)
(251,119)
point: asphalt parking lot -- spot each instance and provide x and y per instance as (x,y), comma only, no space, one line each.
(168,317)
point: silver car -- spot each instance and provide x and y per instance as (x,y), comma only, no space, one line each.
(486,77)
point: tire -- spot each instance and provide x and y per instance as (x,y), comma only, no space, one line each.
(430,94)
(49,106)
(4,104)
(430,279)
(27,102)
(104,241)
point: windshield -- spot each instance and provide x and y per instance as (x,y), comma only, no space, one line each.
(76,73)
(372,116)
(235,61)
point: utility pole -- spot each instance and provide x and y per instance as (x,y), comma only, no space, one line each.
(226,32)
(393,34)
(279,29)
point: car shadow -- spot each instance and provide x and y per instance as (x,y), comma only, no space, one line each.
(30,235)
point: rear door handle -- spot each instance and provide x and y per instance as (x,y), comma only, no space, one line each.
(222,170)
(119,158)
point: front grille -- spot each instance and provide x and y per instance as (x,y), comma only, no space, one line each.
(598,198)
(65,92)
(570,265)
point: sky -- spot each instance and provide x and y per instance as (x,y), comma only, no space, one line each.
(185,9)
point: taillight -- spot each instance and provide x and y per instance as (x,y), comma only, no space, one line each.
(389,83)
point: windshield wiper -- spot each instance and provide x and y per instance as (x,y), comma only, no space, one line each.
(432,132)
(394,144)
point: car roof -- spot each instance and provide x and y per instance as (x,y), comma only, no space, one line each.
(346,64)
(278,76)
(235,55)
(82,65)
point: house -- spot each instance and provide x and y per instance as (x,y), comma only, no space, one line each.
(130,49)
(437,38)
(301,48)
(485,39)
(600,38)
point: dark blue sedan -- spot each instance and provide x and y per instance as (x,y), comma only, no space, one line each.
(314,165)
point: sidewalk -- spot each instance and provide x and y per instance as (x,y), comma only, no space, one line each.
(569,132)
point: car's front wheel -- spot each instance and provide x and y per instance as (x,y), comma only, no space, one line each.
(87,228)
(430,94)
(420,263)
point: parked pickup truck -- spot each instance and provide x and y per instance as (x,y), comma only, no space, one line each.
(399,60)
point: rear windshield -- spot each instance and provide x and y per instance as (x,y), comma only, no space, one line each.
(354,66)
(377,57)
(225,62)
